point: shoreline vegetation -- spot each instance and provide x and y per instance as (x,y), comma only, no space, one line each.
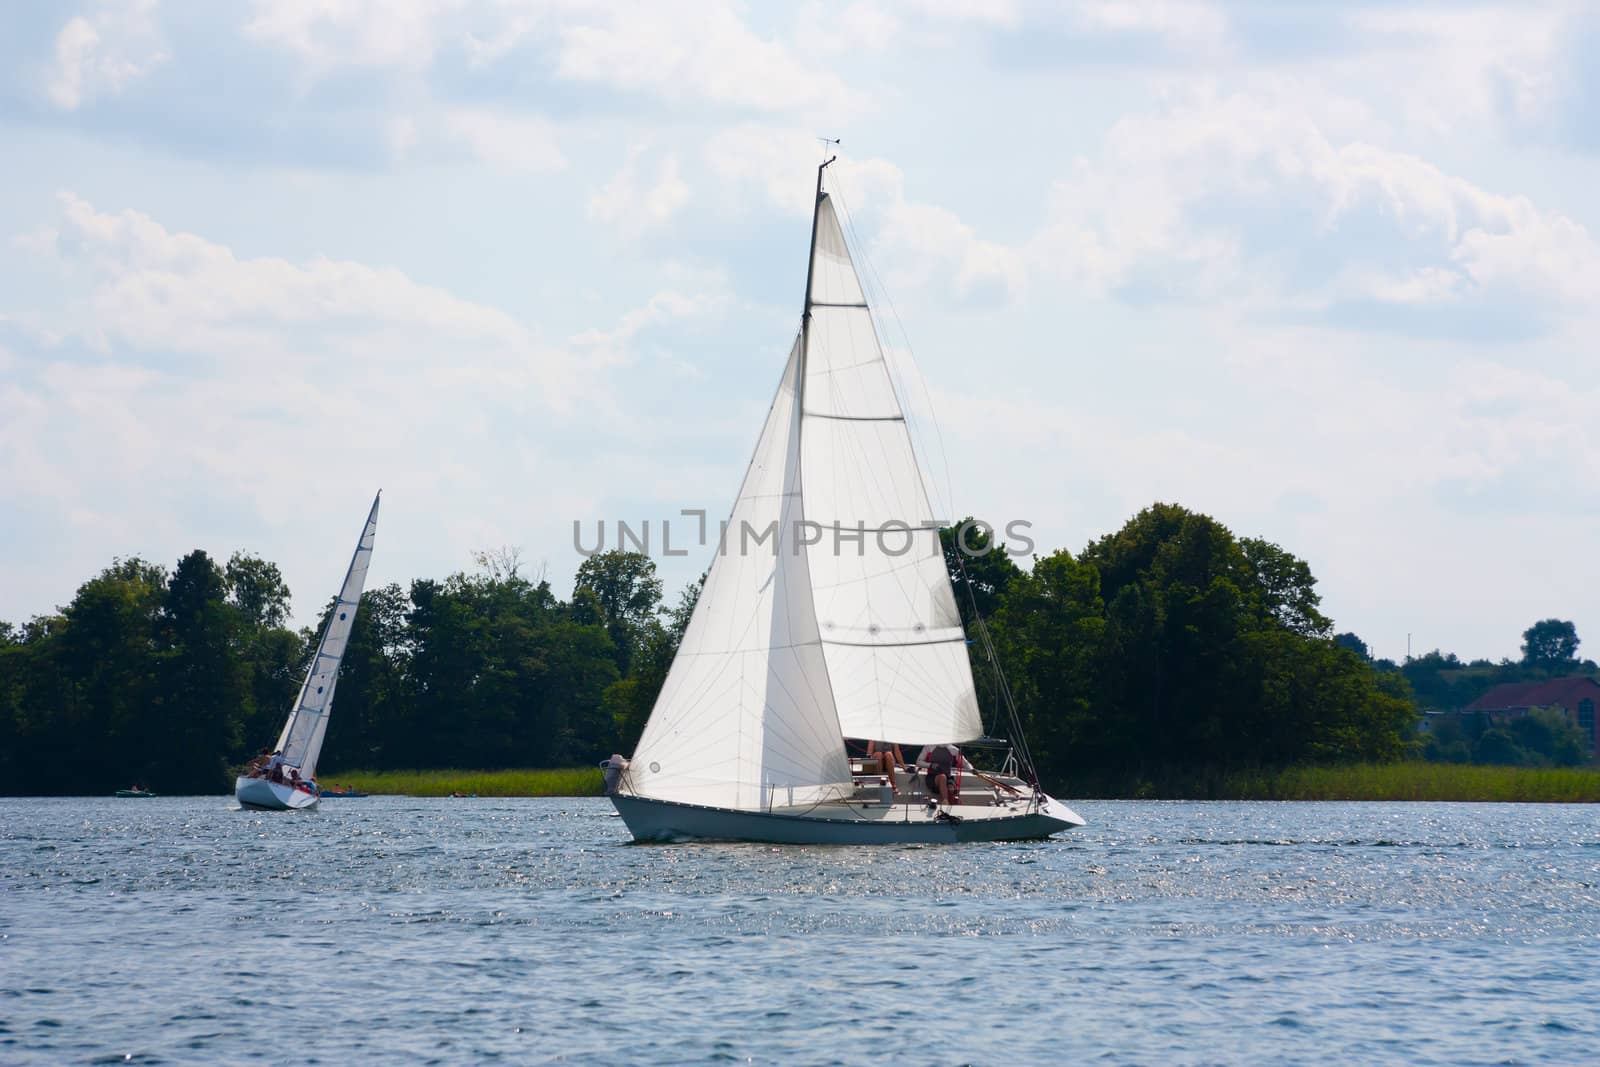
(1140,666)
(544,782)
(1412,781)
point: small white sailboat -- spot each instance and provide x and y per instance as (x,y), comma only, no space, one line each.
(827,613)
(288,779)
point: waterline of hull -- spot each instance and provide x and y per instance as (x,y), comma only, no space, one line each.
(271,796)
(661,820)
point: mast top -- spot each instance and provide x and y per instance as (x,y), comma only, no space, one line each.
(811,259)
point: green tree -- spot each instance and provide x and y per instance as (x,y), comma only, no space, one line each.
(1050,632)
(1497,746)
(625,587)
(1287,588)
(203,682)
(1353,643)
(1550,645)
(979,567)
(108,650)
(257,589)
(629,701)
(1549,738)
(12,658)
(373,707)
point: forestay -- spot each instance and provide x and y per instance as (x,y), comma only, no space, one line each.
(892,637)
(745,718)
(301,740)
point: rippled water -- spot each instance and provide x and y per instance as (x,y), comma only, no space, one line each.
(182,931)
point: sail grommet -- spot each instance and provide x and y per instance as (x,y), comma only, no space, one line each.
(655,768)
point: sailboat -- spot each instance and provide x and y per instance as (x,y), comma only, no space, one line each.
(827,613)
(288,780)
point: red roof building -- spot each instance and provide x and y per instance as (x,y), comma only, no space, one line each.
(1576,695)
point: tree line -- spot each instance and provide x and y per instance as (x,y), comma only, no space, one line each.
(1444,685)
(1169,645)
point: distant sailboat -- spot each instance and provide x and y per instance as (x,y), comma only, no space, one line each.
(288,779)
(813,627)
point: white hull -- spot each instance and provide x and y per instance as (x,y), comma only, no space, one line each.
(271,796)
(841,823)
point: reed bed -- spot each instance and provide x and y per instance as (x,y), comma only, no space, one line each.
(1386,781)
(1422,781)
(561,782)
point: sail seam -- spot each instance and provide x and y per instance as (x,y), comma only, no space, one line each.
(896,644)
(853,418)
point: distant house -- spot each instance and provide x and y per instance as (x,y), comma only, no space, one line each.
(1576,696)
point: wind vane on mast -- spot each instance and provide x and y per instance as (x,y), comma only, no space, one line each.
(826,141)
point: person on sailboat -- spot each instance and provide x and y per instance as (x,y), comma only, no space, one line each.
(887,756)
(943,764)
(275,766)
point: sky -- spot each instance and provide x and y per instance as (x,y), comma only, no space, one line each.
(1327,272)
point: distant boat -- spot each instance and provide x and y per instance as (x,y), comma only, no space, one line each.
(798,642)
(288,779)
(135,793)
(326,793)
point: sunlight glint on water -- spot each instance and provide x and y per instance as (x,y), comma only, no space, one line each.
(180,931)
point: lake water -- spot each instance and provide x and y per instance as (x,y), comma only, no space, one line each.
(462,931)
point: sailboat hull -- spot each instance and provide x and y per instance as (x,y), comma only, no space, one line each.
(649,819)
(271,796)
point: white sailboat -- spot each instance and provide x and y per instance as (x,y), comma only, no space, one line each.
(814,625)
(288,780)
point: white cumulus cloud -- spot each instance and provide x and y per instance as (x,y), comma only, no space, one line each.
(102,53)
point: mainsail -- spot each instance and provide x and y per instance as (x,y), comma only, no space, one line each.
(301,740)
(827,612)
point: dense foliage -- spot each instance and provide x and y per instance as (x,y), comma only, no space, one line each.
(1170,645)
(1173,644)
(169,680)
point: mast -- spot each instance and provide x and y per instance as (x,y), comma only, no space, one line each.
(811,266)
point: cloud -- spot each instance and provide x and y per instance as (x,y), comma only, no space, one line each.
(916,244)
(1182,22)
(183,394)
(102,54)
(519,145)
(679,51)
(175,362)
(1489,62)
(152,289)
(327,34)
(635,204)
(1251,196)
(696,51)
